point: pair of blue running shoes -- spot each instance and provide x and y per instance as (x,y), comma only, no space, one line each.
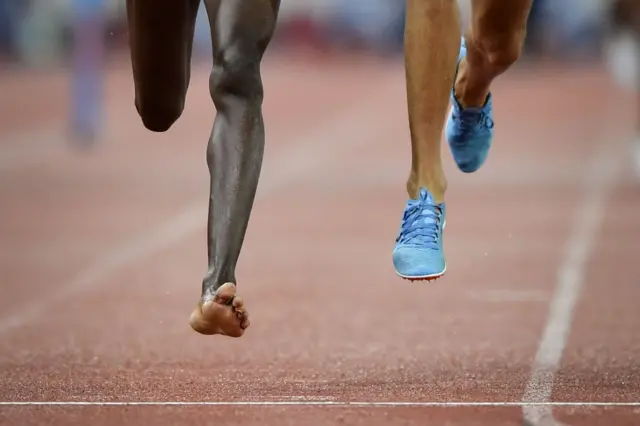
(418,253)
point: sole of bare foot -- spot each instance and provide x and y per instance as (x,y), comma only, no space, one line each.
(224,314)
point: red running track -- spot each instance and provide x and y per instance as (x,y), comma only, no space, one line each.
(102,255)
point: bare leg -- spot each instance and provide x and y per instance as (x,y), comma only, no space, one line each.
(160,36)
(494,42)
(241,31)
(432,42)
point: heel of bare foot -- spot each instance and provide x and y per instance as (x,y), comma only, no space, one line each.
(224,314)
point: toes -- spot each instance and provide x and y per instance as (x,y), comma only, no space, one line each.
(241,315)
(225,294)
(245,323)
(238,303)
(224,314)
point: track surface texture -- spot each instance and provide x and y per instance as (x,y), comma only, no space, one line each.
(102,255)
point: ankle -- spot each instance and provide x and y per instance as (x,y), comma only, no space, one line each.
(470,92)
(215,278)
(436,185)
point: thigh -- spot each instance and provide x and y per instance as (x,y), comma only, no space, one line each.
(161,38)
(500,19)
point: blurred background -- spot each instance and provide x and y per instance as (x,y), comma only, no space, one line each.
(85,38)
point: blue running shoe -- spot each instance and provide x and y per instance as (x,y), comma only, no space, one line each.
(469,131)
(418,252)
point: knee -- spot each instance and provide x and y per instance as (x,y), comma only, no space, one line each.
(158,115)
(236,73)
(501,51)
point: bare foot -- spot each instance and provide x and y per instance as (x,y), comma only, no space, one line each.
(223,314)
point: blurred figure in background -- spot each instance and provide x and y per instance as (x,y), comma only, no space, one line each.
(440,70)
(623,57)
(376,25)
(574,27)
(37,33)
(12,12)
(88,49)
(202,35)
(533,44)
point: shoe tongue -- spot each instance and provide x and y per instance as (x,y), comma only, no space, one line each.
(425,196)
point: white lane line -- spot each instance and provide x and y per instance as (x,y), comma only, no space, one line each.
(598,182)
(300,158)
(323,403)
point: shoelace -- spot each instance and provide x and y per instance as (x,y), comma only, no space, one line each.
(470,119)
(421,225)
